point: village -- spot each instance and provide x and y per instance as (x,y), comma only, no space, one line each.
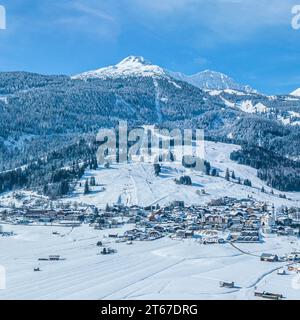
(244,220)
(221,220)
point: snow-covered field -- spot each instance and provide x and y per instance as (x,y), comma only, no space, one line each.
(162,269)
(136,183)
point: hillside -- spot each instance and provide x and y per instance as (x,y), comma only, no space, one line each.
(136,183)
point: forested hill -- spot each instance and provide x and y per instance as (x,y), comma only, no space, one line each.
(41,114)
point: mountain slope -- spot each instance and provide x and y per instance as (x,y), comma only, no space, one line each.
(41,114)
(136,184)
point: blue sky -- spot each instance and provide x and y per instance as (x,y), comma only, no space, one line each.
(250,40)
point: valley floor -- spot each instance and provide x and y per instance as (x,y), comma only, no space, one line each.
(162,269)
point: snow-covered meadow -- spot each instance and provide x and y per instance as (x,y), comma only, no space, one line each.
(162,269)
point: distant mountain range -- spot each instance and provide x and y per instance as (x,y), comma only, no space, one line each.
(211,80)
(231,93)
(140,67)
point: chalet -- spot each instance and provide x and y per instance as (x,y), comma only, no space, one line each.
(132,220)
(237,228)
(153,234)
(250,239)
(287,231)
(216,219)
(228,285)
(189,234)
(294,256)
(107,251)
(284,221)
(184,234)
(295,216)
(210,240)
(159,228)
(45,220)
(178,204)
(217,202)
(54,258)
(113,235)
(194,227)
(180,234)
(267,257)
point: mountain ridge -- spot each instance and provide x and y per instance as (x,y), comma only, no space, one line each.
(139,66)
(212,80)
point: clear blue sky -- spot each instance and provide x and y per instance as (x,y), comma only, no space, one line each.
(250,40)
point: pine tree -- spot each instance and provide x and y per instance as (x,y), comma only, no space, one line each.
(92,182)
(157,169)
(248,183)
(86,187)
(95,164)
(227,176)
(233,175)
(207,167)
(64,187)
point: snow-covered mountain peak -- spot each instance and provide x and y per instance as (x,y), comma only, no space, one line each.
(134,60)
(132,66)
(296,93)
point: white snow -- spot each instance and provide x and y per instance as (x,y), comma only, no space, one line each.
(4,99)
(214,92)
(162,269)
(294,114)
(130,67)
(228,91)
(248,107)
(296,93)
(234,92)
(292,119)
(136,184)
(228,103)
